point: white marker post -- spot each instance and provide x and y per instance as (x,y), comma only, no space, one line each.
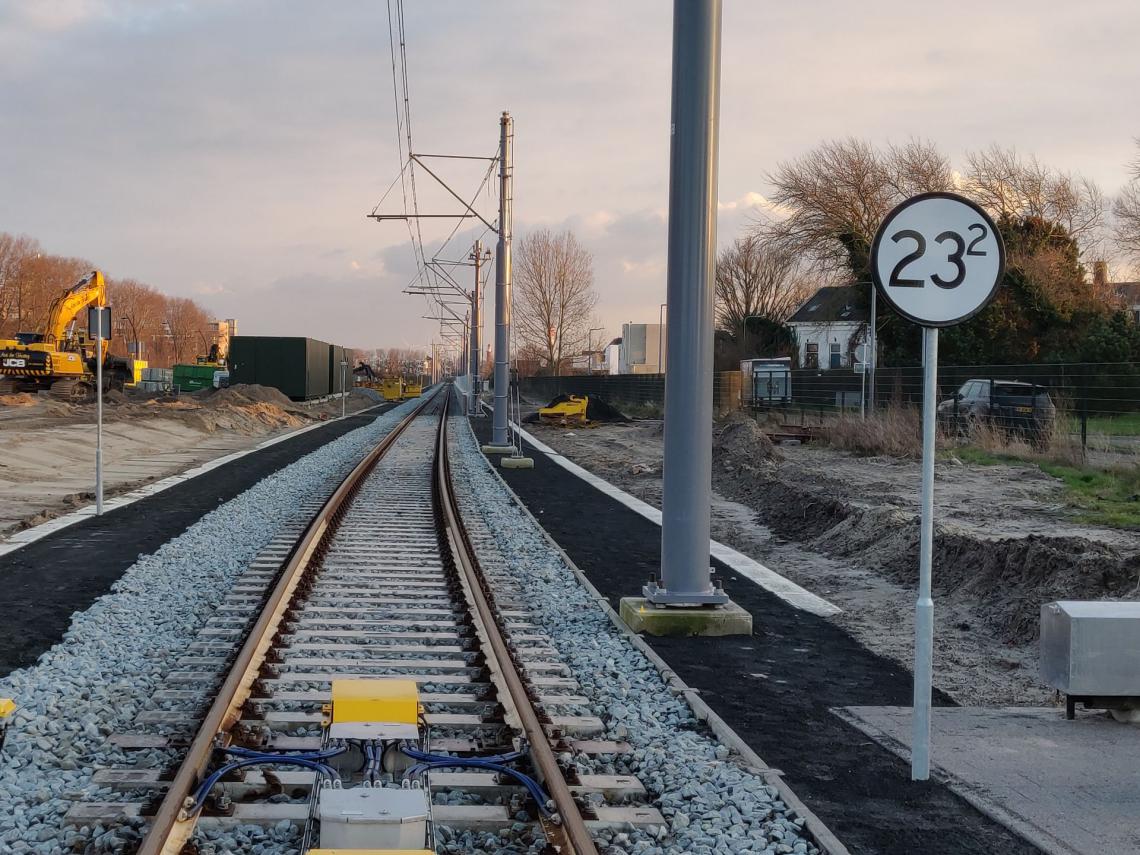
(99,317)
(938,260)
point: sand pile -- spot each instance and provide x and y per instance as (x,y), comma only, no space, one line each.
(245,394)
(18,399)
(739,443)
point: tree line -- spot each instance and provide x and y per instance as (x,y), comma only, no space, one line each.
(169,329)
(829,203)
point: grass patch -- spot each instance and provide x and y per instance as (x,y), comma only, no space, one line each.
(1104,496)
(1108,497)
(1126,424)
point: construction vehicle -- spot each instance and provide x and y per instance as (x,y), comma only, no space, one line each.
(565,409)
(61,358)
(392,388)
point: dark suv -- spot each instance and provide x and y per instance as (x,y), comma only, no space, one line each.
(1023,409)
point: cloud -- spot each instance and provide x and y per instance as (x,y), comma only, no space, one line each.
(240,144)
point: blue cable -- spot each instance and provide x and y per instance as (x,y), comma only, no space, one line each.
(533,787)
(304,755)
(416,754)
(203,790)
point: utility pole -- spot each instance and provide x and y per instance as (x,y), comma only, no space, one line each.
(500,438)
(673,604)
(476,327)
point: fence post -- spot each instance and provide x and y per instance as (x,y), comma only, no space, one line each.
(1084,410)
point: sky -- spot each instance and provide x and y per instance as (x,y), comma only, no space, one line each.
(229,150)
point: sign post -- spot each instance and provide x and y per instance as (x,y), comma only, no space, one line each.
(99,324)
(937,259)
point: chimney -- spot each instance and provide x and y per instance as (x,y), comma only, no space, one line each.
(1100,274)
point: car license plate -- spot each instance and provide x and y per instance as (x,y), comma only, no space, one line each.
(1025,410)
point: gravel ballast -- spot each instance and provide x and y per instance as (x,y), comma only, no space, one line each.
(711,803)
(117,652)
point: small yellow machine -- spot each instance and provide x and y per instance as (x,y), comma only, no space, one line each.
(413,390)
(61,358)
(392,388)
(565,409)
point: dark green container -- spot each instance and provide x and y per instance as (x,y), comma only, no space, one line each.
(191,378)
(298,366)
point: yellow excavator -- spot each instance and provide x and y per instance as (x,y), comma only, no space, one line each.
(62,357)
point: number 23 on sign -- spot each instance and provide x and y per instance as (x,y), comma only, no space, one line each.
(937,259)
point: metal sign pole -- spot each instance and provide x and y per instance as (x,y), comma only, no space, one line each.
(99,411)
(937,259)
(924,605)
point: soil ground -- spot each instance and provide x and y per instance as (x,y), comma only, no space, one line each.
(47,447)
(845,527)
(47,581)
(776,688)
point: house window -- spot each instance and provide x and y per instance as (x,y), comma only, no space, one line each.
(811,355)
(836,355)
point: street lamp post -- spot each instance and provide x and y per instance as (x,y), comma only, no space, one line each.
(660,336)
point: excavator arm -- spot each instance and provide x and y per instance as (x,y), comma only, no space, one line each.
(91,290)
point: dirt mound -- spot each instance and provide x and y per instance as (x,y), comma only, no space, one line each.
(739,442)
(246,393)
(18,399)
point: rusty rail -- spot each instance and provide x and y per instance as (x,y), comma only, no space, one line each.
(568,834)
(171,828)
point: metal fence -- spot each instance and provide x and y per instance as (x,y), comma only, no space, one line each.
(1102,398)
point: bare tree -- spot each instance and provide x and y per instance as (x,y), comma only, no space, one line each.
(1127,212)
(554,294)
(1010,186)
(757,277)
(838,193)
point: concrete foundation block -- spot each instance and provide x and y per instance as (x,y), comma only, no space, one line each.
(516,462)
(641,616)
(498,449)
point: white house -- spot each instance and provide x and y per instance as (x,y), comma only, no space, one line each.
(828,327)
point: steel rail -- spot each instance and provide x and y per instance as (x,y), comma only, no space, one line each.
(571,830)
(170,827)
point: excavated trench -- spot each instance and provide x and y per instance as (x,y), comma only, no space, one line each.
(1004,580)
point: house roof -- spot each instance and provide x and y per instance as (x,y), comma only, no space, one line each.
(830,305)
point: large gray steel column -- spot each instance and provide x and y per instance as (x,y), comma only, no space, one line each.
(499,432)
(685,509)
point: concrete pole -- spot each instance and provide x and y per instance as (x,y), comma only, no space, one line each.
(499,434)
(476,325)
(343,387)
(924,605)
(685,510)
(99,311)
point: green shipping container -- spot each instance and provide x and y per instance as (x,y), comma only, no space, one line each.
(191,378)
(298,366)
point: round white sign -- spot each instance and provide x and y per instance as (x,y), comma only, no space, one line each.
(937,259)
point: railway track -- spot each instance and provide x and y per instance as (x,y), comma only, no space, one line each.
(386,581)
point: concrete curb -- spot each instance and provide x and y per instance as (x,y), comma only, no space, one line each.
(20,539)
(820,833)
